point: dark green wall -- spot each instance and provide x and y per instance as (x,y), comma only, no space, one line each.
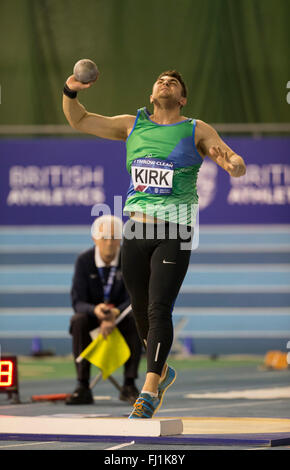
(233,54)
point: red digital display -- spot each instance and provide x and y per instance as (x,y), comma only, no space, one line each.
(8,373)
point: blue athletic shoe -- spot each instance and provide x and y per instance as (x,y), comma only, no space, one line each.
(144,407)
(168,380)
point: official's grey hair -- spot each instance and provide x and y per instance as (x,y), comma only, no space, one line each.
(106,221)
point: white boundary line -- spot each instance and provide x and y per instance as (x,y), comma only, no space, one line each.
(210,268)
(239,248)
(267,393)
(192,311)
(57,311)
(179,311)
(202,248)
(188,289)
(234,334)
(126,444)
(195,334)
(58,334)
(232,289)
(39,268)
(77,248)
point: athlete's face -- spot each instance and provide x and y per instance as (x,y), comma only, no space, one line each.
(168,88)
(108,242)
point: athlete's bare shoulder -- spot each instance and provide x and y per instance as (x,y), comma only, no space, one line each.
(203,127)
(130,120)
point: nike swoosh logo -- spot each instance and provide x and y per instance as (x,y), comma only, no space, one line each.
(169,262)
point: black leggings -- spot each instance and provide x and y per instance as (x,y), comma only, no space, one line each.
(153,271)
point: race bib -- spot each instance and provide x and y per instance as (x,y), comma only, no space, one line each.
(151,175)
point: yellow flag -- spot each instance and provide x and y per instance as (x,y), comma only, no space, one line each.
(108,354)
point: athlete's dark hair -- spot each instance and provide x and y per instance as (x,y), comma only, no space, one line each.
(178,76)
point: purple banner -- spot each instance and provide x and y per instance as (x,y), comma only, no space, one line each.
(58,181)
(262,196)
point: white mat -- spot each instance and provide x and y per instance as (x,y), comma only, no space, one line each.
(90,426)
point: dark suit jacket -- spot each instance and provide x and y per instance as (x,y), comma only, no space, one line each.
(87,288)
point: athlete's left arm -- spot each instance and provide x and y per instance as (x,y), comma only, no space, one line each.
(209,143)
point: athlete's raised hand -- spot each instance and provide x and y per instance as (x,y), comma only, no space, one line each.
(233,163)
(75,85)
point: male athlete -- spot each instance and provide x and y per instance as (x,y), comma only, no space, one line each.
(164,153)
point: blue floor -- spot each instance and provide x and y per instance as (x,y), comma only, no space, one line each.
(176,403)
(235,297)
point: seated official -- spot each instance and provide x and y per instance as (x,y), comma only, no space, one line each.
(98,298)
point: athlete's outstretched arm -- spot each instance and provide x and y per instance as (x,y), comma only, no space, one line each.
(209,143)
(115,127)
